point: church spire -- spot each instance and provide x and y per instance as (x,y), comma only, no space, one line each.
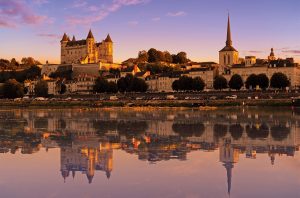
(228,41)
(229,167)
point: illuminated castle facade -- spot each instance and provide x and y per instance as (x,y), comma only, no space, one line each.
(86,51)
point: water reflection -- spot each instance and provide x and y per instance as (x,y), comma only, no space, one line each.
(88,139)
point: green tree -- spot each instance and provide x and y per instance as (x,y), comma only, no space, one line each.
(41,89)
(252,81)
(279,81)
(13,89)
(236,82)
(220,83)
(143,56)
(263,81)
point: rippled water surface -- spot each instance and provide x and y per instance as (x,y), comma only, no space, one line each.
(251,152)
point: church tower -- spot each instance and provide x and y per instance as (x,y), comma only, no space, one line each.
(228,56)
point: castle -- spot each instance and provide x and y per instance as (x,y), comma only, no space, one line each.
(86,51)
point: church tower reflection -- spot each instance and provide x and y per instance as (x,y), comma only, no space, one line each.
(228,156)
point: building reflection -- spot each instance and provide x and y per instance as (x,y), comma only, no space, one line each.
(87,140)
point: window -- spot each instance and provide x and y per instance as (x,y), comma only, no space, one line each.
(224,59)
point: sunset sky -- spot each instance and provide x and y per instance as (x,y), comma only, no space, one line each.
(198,27)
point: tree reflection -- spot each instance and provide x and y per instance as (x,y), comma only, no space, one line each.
(236,131)
(189,129)
(257,131)
(280,132)
(220,130)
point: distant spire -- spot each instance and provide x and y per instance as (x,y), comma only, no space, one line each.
(272,52)
(90,35)
(229,167)
(73,39)
(108,39)
(228,41)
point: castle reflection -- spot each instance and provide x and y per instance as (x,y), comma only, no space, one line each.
(87,139)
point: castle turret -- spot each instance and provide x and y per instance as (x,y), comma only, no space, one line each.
(73,39)
(90,40)
(63,43)
(109,49)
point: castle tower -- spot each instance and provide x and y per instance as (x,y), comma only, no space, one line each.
(228,55)
(90,41)
(63,44)
(109,49)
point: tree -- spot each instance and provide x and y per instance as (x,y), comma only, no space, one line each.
(152,55)
(14,63)
(13,89)
(139,85)
(63,89)
(236,82)
(29,61)
(112,87)
(168,57)
(198,84)
(122,85)
(220,83)
(175,85)
(263,81)
(185,83)
(41,89)
(279,81)
(101,85)
(143,56)
(130,83)
(251,81)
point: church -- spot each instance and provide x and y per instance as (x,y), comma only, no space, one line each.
(86,51)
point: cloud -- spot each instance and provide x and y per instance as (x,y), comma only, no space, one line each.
(16,12)
(291,51)
(176,14)
(103,12)
(255,51)
(48,35)
(156,19)
(79,4)
(40,2)
(133,23)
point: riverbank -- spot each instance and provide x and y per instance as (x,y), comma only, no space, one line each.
(146,103)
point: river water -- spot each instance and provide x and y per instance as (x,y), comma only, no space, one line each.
(240,152)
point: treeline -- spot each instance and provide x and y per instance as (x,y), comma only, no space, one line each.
(185,83)
(154,56)
(13,63)
(278,81)
(31,73)
(128,83)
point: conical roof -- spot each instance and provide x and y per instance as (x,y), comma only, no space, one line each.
(90,35)
(64,38)
(228,41)
(108,39)
(73,39)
